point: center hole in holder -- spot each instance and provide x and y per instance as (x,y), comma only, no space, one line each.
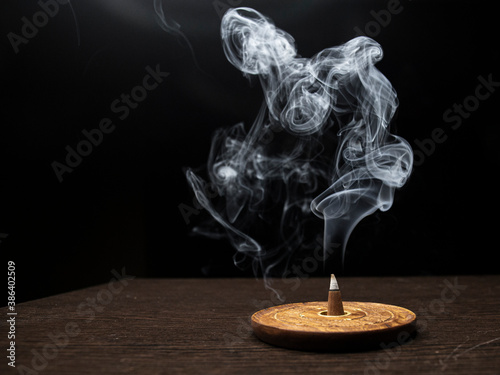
(325,313)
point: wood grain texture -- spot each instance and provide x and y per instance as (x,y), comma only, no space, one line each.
(188,326)
(307,326)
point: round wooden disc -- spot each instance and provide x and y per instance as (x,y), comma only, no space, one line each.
(305,326)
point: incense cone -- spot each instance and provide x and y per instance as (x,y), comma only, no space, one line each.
(335,306)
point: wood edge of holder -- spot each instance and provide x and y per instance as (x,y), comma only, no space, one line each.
(342,342)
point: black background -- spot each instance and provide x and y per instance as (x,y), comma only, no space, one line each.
(120,206)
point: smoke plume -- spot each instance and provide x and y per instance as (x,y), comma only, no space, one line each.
(319,147)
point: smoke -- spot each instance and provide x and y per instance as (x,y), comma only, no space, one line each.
(319,147)
(172,27)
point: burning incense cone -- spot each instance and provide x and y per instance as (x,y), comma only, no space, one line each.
(333,325)
(335,306)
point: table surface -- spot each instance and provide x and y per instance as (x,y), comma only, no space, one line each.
(201,326)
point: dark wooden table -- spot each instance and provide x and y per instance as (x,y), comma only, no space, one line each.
(201,326)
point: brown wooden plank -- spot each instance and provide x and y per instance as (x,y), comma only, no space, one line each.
(201,326)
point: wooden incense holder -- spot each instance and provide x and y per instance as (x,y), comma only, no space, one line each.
(355,325)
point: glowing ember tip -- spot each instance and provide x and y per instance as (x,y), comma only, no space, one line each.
(334,285)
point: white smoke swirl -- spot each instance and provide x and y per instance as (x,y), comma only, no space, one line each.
(338,99)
